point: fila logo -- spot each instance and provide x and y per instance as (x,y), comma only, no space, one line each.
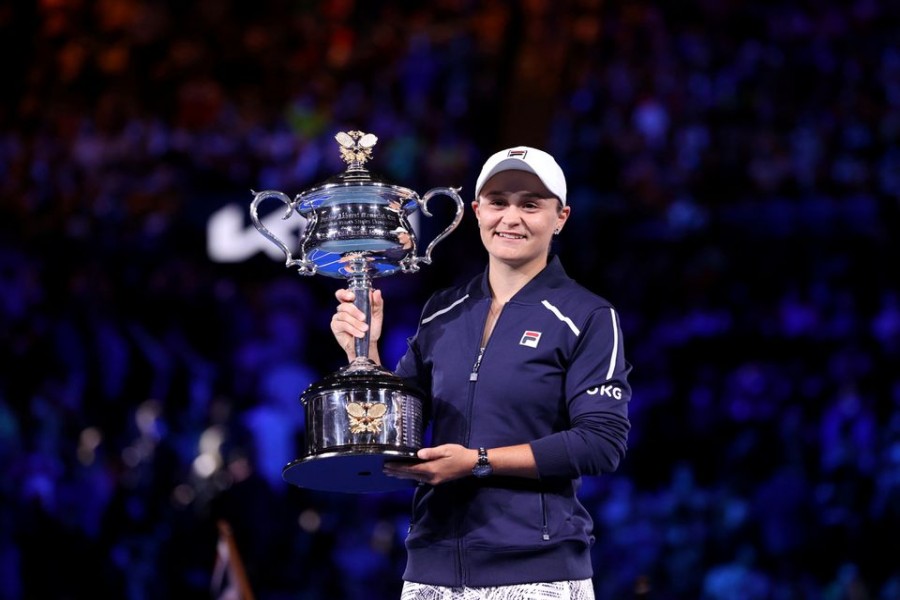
(530,339)
(606,390)
(517,154)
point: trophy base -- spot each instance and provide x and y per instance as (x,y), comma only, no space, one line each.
(357,419)
(353,472)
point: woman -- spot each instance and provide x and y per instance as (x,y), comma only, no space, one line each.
(528,392)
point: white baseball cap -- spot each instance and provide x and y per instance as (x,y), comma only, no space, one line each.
(525,158)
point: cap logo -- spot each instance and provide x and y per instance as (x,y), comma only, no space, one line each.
(516,153)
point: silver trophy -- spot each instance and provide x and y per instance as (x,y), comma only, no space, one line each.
(357,228)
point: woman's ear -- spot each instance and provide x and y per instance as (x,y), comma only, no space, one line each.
(562,217)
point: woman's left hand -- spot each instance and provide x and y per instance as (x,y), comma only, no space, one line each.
(438,465)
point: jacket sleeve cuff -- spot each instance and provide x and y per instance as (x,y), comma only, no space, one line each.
(552,458)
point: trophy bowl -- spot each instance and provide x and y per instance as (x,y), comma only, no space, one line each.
(357,229)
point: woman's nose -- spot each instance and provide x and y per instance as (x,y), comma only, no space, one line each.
(511,215)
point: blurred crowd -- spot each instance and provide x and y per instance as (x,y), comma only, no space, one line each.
(734,171)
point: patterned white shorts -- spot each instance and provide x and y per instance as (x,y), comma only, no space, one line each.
(554,590)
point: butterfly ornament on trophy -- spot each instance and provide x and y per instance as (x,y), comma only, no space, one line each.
(366,417)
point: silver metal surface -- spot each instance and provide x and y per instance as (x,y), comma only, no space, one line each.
(373,417)
(358,229)
(356,212)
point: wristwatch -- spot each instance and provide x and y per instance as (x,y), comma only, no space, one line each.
(483,467)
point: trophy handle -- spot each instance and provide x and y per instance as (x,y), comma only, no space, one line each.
(413,261)
(305,267)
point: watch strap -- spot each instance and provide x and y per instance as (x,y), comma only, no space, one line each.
(482,466)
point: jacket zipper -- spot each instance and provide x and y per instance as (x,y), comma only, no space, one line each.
(473,378)
(545,530)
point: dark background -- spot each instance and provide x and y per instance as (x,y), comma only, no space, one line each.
(734,173)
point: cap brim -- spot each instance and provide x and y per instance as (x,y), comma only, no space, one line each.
(507,164)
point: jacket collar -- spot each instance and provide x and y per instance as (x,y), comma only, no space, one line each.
(551,276)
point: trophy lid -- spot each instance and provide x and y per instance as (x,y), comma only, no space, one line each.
(357,184)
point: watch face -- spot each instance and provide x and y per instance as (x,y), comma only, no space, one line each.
(482,470)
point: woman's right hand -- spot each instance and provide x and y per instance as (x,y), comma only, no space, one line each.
(349,323)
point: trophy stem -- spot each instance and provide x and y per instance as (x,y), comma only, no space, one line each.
(360,283)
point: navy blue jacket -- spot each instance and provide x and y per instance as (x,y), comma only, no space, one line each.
(553,374)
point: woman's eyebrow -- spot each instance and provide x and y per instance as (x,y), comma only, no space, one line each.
(538,196)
